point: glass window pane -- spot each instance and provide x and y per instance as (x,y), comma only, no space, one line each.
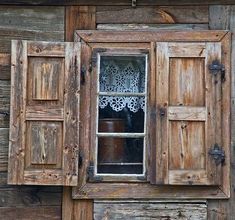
(129,116)
(122,74)
(120,155)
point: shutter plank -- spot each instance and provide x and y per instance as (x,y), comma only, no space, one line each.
(162,121)
(71,106)
(213,102)
(17,110)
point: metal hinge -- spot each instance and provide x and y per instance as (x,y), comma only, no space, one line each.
(4,113)
(83,75)
(216,67)
(218,154)
(133,3)
(91,174)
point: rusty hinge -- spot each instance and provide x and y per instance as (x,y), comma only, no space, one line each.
(218,154)
(216,67)
(91,177)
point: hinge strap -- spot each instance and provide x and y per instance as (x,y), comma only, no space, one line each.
(217,67)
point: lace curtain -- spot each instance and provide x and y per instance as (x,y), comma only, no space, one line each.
(123,76)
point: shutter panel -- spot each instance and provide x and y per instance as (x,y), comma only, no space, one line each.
(188,98)
(44,113)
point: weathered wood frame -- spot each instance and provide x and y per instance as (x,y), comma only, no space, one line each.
(86,190)
(127,49)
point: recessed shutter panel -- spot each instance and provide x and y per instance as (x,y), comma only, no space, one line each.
(44,113)
(188,126)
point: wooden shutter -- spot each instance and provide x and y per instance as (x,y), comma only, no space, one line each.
(44,113)
(188,98)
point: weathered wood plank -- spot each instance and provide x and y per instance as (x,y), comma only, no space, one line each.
(71,116)
(220,18)
(162,91)
(189,114)
(4,137)
(48,49)
(77,18)
(153,27)
(4,66)
(30,196)
(148,36)
(113,2)
(149,210)
(76,209)
(4,103)
(80,18)
(30,23)
(154,15)
(146,191)
(28,213)
(83,209)
(50,114)
(17,107)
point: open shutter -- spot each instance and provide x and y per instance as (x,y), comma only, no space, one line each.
(188,98)
(44,113)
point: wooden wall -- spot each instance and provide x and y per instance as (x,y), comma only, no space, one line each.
(29,23)
(58,23)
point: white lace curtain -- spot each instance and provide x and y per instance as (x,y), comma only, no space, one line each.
(127,76)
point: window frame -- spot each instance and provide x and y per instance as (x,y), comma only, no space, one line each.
(101,190)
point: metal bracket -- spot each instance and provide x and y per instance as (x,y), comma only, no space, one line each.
(133,3)
(218,154)
(217,67)
(83,74)
(91,174)
(4,113)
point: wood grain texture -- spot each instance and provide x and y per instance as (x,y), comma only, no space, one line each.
(187,79)
(45,140)
(188,113)
(148,36)
(213,99)
(50,154)
(184,85)
(142,26)
(4,103)
(28,213)
(82,17)
(112,2)
(17,121)
(4,141)
(5,66)
(75,209)
(72,114)
(149,210)
(146,191)
(47,78)
(30,23)
(162,91)
(79,18)
(151,15)
(186,145)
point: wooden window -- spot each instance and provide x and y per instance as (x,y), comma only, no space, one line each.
(44,113)
(119,113)
(186,117)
